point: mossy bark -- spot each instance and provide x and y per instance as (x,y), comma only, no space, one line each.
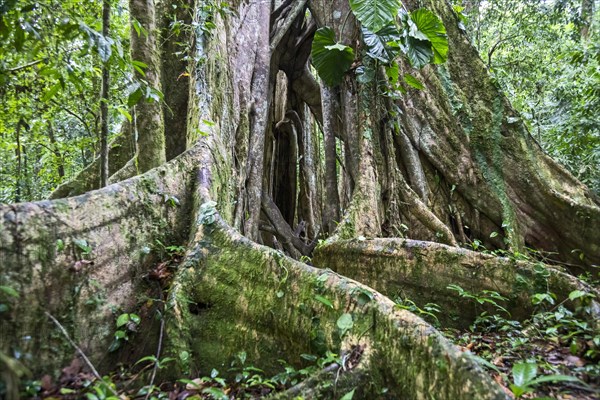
(232,295)
(422,271)
(85,258)
(150,124)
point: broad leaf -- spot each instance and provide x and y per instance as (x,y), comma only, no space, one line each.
(575,294)
(375,14)
(393,72)
(135,318)
(365,74)
(345,323)
(51,92)
(419,52)
(4,28)
(383,43)
(19,38)
(134,97)
(412,81)
(349,395)
(523,373)
(324,300)
(104,48)
(122,320)
(432,28)
(331,59)
(9,291)
(555,378)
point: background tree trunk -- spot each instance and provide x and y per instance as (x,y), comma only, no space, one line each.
(149,114)
(104,98)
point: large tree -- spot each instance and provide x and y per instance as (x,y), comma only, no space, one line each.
(284,157)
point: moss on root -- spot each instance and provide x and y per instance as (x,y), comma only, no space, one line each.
(233,295)
(43,256)
(422,271)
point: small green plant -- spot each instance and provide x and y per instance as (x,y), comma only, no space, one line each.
(362,295)
(172,201)
(525,378)
(82,247)
(428,311)
(7,295)
(104,389)
(344,324)
(126,324)
(169,252)
(484,297)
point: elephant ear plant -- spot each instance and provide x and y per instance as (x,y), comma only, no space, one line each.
(389,31)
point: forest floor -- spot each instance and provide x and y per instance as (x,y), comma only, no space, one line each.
(555,354)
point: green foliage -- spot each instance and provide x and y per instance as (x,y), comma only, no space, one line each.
(251,382)
(425,26)
(525,378)
(104,389)
(126,324)
(208,213)
(344,323)
(428,311)
(375,14)
(535,52)
(567,335)
(51,55)
(387,32)
(483,297)
(324,300)
(7,295)
(331,59)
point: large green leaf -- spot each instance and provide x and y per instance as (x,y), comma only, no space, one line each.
(345,323)
(383,43)
(375,14)
(430,27)
(523,373)
(331,59)
(419,52)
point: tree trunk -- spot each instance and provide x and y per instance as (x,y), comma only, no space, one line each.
(149,114)
(104,98)
(587,16)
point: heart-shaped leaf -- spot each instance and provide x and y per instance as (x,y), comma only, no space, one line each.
(331,59)
(375,14)
(383,43)
(430,27)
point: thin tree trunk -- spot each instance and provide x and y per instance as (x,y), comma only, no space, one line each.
(331,212)
(150,123)
(56,151)
(19,180)
(104,97)
(587,14)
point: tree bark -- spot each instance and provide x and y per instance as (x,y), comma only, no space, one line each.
(331,212)
(104,98)
(258,111)
(149,113)
(587,16)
